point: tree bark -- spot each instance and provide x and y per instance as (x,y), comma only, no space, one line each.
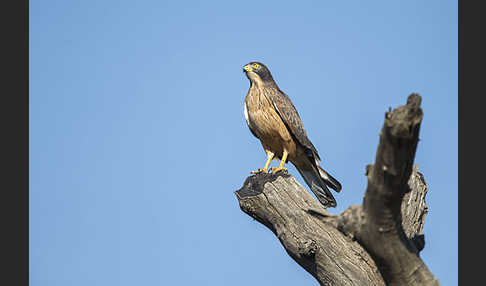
(376,243)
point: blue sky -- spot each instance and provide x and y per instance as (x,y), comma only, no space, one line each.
(138,139)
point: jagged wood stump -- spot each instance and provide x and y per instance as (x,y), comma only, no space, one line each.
(376,243)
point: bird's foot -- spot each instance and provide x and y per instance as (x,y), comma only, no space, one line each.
(278,169)
(259,171)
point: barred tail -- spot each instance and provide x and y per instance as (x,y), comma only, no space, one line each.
(329,180)
(318,186)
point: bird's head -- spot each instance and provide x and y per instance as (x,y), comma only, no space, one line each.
(258,73)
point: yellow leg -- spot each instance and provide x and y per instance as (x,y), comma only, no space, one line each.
(265,169)
(282,163)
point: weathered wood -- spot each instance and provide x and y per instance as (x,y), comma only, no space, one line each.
(414,209)
(377,243)
(413,212)
(289,210)
(382,233)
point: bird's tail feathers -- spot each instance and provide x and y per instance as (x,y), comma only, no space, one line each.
(329,180)
(318,187)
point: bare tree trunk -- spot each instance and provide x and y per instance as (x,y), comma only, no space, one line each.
(377,243)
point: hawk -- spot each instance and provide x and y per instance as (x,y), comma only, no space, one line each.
(273,119)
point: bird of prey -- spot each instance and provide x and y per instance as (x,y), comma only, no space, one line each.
(273,119)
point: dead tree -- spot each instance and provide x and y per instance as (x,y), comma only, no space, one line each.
(376,243)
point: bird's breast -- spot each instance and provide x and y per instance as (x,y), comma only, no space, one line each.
(265,121)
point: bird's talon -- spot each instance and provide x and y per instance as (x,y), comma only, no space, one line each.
(278,169)
(259,171)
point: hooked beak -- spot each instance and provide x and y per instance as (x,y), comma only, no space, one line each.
(247,68)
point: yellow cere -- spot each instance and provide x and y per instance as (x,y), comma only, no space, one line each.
(248,68)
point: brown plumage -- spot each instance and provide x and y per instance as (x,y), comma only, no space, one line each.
(273,119)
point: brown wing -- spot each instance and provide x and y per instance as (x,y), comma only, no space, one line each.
(287,111)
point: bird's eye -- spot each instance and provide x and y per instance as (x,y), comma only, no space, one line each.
(256,66)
